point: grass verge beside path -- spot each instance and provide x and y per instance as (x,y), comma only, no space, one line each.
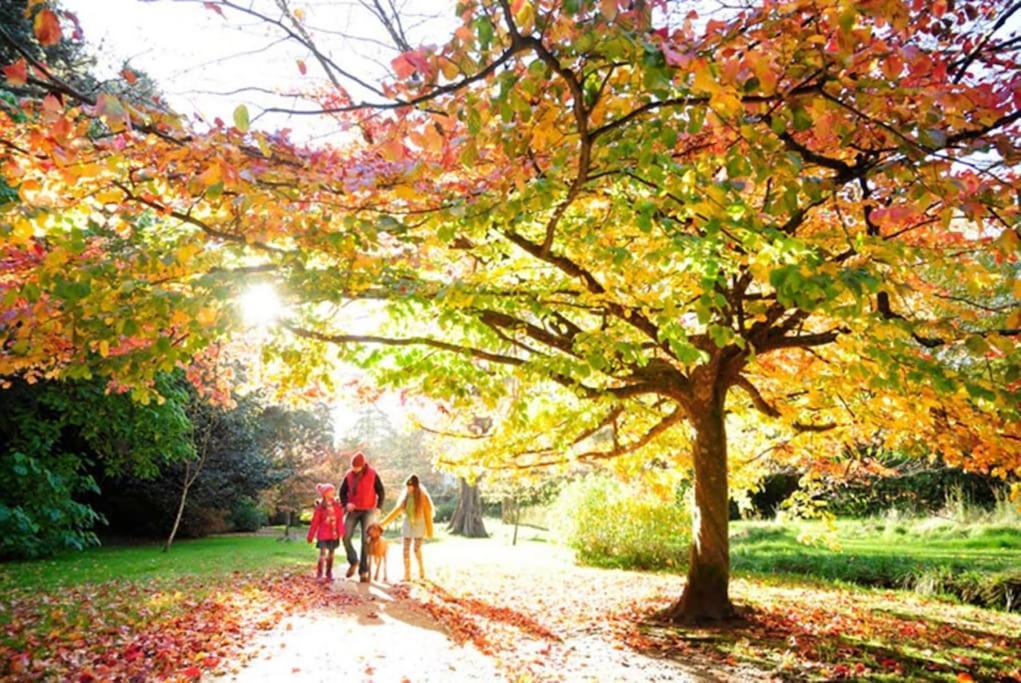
(212,556)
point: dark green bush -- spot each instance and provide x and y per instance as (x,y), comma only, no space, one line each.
(38,514)
(247,515)
(444,509)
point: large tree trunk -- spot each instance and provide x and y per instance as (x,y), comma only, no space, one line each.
(467,519)
(706,596)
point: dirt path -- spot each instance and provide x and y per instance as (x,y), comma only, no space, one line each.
(493,613)
(375,637)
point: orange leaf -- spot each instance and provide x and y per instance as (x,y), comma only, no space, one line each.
(301,67)
(130,76)
(47,27)
(51,105)
(17,73)
(964,677)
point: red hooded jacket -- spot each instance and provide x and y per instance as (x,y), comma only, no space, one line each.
(327,522)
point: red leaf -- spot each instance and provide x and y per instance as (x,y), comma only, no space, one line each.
(301,67)
(215,7)
(17,73)
(402,66)
(192,672)
(130,76)
(47,27)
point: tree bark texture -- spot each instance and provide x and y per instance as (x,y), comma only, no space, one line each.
(706,596)
(467,519)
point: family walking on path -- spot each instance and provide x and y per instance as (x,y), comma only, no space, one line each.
(361,497)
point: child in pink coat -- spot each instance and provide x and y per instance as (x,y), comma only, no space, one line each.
(327,528)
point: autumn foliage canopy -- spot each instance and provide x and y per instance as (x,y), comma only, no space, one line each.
(635,233)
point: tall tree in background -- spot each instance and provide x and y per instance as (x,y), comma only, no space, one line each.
(787,228)
(56,438)
(301,444)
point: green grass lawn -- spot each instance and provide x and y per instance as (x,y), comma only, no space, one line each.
(767,546)
(978,563)
(213,556)
(208,556)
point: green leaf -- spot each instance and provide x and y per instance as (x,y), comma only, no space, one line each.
(241,118)
(484,29)
(802,121)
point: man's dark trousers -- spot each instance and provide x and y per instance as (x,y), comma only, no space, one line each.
(364,518)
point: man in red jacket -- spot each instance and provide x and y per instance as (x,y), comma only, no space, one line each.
(361,494)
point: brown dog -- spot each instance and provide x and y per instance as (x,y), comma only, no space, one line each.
(377,550)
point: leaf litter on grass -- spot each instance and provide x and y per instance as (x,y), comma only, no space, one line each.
(149,630)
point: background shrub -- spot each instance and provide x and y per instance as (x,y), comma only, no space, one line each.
(444,509)
(610,524)
(247,515)
(38,515)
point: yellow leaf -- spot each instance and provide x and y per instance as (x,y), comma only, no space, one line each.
(110,195)
(104,348)
(704,80)
(264,146)
(185,253)
(449,69)
(524,15)
(211,175)
(726,103)
(23,230)
(179,318)
(206,316)
(405,192)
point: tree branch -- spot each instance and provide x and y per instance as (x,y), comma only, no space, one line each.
(766,408)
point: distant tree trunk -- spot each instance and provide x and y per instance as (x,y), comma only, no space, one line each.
(188,481)
(189,478)
(287,525)
(706,597)
(467,519)
(517,519)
